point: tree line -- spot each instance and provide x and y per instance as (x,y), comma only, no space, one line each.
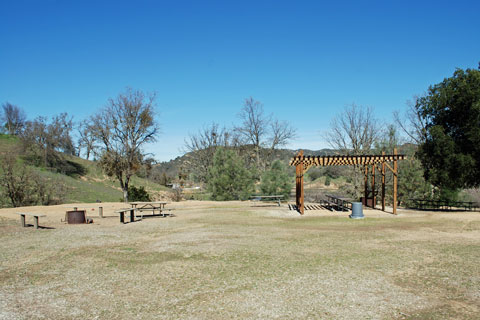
(115,136)
(440,131)
(230,161)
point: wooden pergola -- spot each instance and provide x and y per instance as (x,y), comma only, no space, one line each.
(370,163)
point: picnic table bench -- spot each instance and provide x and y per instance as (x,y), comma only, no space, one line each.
(338,203)
(122,214)
(152,206)
(34,215)
(277,198)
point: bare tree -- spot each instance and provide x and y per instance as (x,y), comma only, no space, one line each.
(280,133)
(412,123)
(262,131)
(354,131)
(202,147)
(86,138)
(123,127)
(13,118)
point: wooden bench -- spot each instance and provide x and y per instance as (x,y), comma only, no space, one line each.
(122,214)
(163,213)
(34,215)
(337,203)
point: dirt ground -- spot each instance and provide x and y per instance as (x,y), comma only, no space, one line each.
(240,260)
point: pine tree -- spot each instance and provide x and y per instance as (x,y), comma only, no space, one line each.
(228,178)
(276,181)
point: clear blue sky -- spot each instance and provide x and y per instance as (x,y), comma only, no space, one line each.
(305,60)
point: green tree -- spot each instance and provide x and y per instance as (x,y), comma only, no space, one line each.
(451,110)
(228,178)
(276,180)
(411,182)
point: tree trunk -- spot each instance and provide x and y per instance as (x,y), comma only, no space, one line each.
(124,186)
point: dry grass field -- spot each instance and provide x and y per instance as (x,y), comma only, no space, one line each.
(234,260)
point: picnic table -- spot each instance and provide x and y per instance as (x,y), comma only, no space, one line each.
(150,206)
(339,203)
(34,215)
(277,198)
(445,205)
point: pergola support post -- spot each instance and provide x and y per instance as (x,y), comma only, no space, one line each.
(395,181)
(365,178)
(299,186)
(383,183)
(374,199)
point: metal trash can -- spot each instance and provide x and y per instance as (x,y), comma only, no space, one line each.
(357,211)
(76,217)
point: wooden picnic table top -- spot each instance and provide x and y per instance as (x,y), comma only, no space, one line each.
(31,214)
(442,201)
(339,198)
(152,205)
(274,196)
(139,203)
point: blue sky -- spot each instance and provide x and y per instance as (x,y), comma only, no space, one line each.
(305,60)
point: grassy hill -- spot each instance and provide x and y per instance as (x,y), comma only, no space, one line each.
(93,185)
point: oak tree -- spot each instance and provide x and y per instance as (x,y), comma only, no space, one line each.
(450,153)
(122,128)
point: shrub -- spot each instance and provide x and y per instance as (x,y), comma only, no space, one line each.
(327,180)
(138,194)
(314,173)
(24,187)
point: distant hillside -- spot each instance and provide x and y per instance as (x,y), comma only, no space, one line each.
(171,168)
(93,185)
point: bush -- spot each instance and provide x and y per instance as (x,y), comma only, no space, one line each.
(24,187)
(228,178)
(314,173)
(138,194)
(327,180)
(276,181)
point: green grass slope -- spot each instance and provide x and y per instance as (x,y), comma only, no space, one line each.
(92,186)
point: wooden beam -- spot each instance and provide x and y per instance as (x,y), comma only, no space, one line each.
(395,181)
(302,194)
(366,185)
(373,187)
(299,194)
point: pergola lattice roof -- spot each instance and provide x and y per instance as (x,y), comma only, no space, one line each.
(309,161)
